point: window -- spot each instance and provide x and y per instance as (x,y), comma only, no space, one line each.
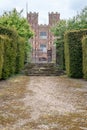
(43,35)
(43,48)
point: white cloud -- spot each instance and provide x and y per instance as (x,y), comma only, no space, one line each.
(66,8)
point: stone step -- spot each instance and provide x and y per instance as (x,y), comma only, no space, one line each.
(42,69)
(31,65)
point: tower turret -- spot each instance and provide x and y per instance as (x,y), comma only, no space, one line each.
(33,19)
(54,18)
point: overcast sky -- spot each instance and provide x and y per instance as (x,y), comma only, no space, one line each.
(66,8)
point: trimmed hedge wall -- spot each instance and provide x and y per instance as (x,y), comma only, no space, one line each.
(73,53)
(6,72)
(84,48)
(1,54)
(9,32)
(60,53)
(6,63)
(12,52)
(20,55)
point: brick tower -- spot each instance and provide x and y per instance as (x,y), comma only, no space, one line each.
(53,18)
(33,20)
(43,49)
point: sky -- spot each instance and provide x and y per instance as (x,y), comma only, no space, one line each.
(66,8)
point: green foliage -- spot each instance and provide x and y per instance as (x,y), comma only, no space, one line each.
(73,53)
(79,21)
(76,23)
(12,52)
(6,72)
(13,48)
(1,54)
(84,50)
(20,55)
(9,32)
(60,53)
(66,52)
(13,19)
(60,28)
(59,33)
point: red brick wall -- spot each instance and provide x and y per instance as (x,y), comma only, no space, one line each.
(37,41)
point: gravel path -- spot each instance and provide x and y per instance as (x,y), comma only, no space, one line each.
(43,103)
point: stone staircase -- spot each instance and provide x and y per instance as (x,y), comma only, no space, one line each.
(42,69)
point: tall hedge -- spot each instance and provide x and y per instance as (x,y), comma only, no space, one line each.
(1,54)
(6,63)
(20,55)
(9,32)
(10,49)
(60,53)
(84,51)
(73,53)
(12,52)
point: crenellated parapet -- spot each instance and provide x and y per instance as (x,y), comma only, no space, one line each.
(53,18)
(32,18)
